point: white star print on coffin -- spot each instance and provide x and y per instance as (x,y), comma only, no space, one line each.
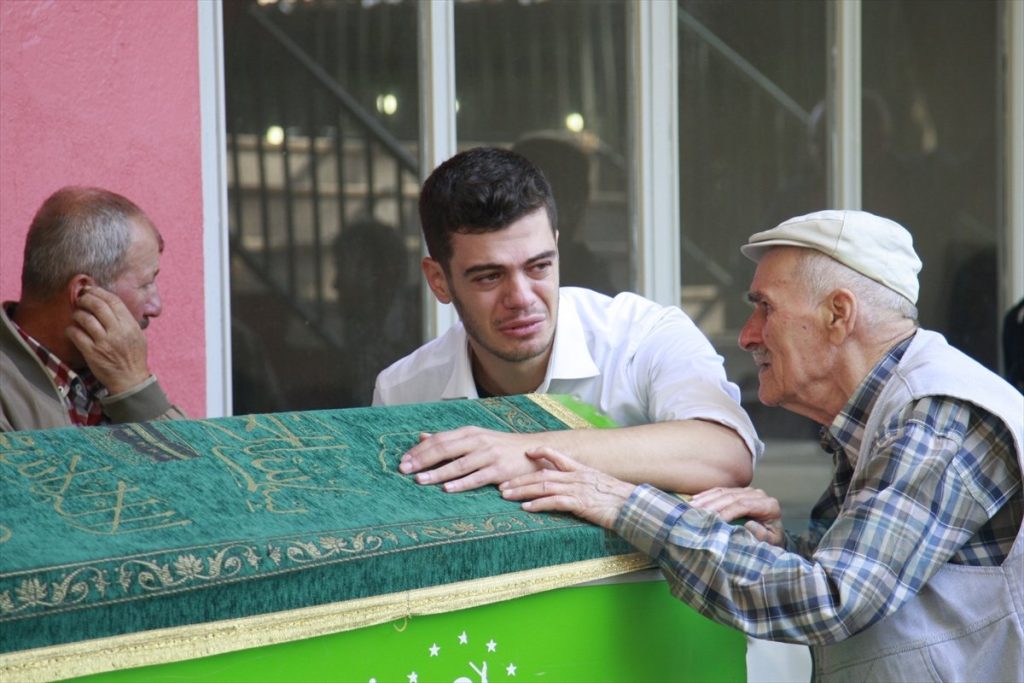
(437,667)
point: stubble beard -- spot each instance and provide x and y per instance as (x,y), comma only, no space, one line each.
(513,355)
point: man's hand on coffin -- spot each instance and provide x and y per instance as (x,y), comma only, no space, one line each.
(567,486)
(761,510)
(469,457)
(109,339)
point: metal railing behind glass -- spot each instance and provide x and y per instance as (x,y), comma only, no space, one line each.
(305,160)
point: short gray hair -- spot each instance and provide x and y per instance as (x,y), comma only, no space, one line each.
(824,274)
(79,230)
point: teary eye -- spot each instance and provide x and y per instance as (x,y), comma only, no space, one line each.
(485,278)
(541,268)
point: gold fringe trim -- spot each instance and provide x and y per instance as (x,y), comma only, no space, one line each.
(202,640)
(560,411)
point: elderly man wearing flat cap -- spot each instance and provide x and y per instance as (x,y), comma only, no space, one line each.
(913,566)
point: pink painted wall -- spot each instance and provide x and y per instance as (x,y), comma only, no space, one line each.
(98,92)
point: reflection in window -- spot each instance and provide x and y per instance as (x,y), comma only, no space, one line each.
(932,68)
(550,79)
(751,84)
(322,117)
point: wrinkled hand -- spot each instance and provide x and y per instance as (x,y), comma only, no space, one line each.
(109,339)
(762,510)
(473,457)
(567,486)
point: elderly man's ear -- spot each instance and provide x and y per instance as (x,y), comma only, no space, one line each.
(839,310)
(76,286)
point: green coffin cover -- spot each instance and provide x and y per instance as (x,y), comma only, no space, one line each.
(114,530)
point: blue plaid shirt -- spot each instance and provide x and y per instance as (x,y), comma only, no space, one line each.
(942,485)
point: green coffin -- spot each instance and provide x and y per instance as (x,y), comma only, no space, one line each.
(131,545)
(624,631)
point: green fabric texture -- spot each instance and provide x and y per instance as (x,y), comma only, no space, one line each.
(111,530)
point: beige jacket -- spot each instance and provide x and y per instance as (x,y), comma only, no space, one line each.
(29,398)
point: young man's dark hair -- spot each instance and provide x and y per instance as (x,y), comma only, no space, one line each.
(480,190)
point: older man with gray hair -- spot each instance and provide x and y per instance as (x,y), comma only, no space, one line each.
(913,567)
(72,350)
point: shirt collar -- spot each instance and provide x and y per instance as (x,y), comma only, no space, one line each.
(570,355)
(460,383)
(60,371)
(79,391)
(847,429)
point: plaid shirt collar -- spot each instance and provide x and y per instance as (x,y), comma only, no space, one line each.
(79,391)
(846,433)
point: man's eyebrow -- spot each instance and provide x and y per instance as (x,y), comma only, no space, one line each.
(482,267)
(551,253)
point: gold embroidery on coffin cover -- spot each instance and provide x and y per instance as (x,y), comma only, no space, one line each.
(200,566)
(261,467)
(89,498)
(270,447)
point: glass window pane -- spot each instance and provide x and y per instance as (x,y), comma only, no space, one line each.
(322,141)
(751,101)
(549,79)
(931,80)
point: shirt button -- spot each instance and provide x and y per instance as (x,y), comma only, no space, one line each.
(63,391)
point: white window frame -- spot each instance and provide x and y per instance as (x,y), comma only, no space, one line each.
(438,138)
(654,33)
(1011,275)
(216,256)
(844,87)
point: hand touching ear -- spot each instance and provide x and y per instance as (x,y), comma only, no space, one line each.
(109,339)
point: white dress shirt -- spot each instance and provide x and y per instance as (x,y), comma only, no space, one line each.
(634,360)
